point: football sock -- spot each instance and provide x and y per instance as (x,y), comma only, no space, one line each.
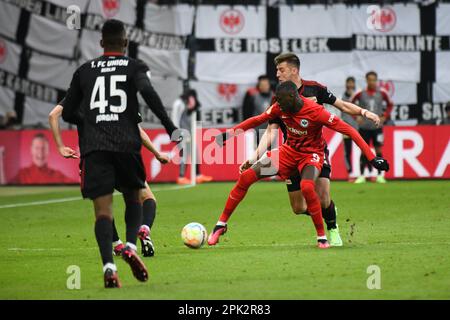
(133,219)
(109,265)
(246,179)
(329,215)
(148,212)
(313,202)
(131,246)
(362,164)
(116,237)
(103,234)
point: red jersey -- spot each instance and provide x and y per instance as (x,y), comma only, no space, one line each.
(304,128)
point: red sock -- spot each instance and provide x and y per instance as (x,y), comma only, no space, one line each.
(313,202)
(246,179)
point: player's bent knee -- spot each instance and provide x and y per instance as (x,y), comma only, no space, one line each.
(308,187)
(299,209)
(145,195)
(324,198)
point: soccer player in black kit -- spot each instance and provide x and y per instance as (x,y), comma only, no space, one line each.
(103,98)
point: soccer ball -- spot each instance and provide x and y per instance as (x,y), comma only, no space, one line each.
(194,235)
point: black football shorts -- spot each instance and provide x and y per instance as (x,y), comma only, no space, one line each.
(104,171)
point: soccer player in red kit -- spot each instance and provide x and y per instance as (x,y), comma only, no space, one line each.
(302,150)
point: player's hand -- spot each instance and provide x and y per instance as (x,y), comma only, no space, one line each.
(163,158)
(244,166)
(374,118)
(67,152)
(380,164)
(222,138)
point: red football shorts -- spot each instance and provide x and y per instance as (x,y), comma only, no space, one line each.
(286,160)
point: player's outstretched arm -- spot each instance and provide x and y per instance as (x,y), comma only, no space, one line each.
(147,142)
(245,125)
(151,97)
(352,109)
(53,120)
(333,122)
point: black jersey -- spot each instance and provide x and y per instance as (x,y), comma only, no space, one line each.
(309,89)
(102,101)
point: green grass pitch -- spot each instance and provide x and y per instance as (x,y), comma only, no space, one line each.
(268,252)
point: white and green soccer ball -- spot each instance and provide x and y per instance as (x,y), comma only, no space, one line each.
(194,235)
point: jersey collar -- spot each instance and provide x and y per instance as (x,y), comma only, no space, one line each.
(113,53)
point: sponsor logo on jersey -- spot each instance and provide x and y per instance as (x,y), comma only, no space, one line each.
(111,7)
(3,51)
(296,131)
(232,21)
(304,123)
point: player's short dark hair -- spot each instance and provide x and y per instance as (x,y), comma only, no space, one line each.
(286,87)
(371,73)
(288,57)
(113,32)
(350,79)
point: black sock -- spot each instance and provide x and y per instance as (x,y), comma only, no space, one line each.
(103,234)
(362,164)
(133,219)
(149,212)
(115,234)
(329,215)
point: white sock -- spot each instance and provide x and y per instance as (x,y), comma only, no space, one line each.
(146,227)
(221,223)
(321,237)
(132,246)
(116,243)
(109,265)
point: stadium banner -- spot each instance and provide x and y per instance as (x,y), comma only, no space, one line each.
(408,44)
(31,157)
(42,42)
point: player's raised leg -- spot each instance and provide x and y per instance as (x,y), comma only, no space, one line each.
(246,179)
(133,219)
(104,235)
(299,206)
(329,211)
(309,175)
(148,201)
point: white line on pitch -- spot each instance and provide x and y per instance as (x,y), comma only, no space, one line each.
(37,203)
(241,246)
